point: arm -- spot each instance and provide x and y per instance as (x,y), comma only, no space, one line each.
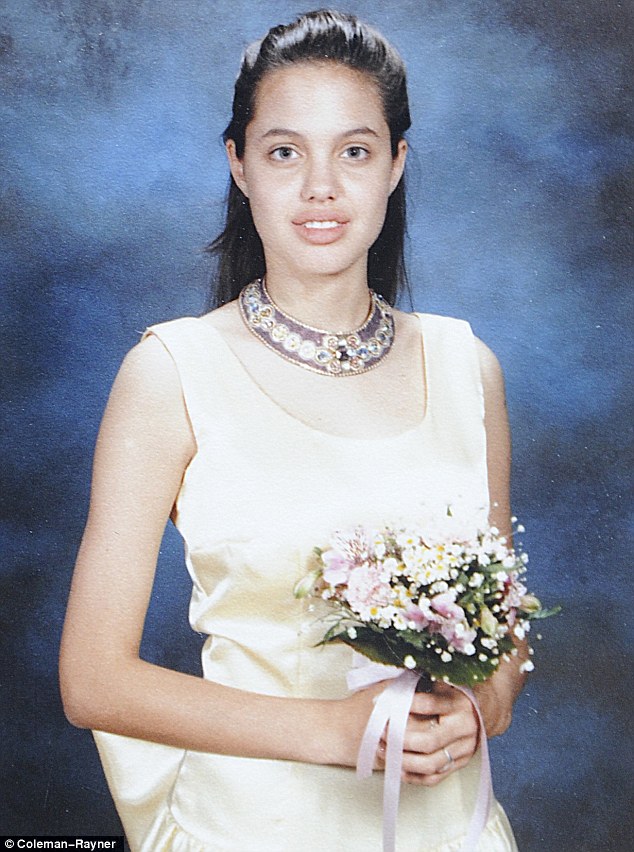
(144,445)
(445,719)
(497,695)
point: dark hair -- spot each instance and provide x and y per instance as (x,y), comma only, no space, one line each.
(320,36)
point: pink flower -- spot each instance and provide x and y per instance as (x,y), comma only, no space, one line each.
(514,591)
(445,605)
(365,589)
(442,615)
(463,638)
(337,567)
(418,616)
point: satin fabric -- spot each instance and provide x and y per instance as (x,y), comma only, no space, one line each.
(262,490)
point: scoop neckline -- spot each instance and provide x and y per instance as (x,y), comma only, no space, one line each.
(241,370)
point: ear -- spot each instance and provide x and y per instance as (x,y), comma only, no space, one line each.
(236,166)
(398,164)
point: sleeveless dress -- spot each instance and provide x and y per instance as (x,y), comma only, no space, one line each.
(262,490)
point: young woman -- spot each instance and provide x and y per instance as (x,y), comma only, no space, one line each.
(259,436)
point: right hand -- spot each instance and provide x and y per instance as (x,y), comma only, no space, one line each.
(353,715)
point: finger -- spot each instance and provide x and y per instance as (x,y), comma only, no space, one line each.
(379,758)
(430,734)
(442,701)
(433,780)
(431,704)
(449,763)
(442,761)
(422,736)
(461,720)
(446,769)
(462,723)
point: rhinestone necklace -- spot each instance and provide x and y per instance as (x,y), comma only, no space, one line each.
(345,354)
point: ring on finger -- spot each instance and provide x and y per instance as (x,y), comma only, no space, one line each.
(449,763)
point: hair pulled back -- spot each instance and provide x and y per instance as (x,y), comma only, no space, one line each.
(319,36)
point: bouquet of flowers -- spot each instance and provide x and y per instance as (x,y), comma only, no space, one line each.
(443,600)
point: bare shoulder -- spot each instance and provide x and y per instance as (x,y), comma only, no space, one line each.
(148,373)
(490,369)
(146,399)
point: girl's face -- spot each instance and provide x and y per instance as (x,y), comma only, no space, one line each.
(317,168)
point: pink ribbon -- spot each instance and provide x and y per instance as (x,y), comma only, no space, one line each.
(393,706)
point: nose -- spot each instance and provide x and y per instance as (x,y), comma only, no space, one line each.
(320,180)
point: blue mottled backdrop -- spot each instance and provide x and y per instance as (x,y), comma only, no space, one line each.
(521,220)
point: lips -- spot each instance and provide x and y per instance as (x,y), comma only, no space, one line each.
(320,229)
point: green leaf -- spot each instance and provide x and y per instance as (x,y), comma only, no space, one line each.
(544,613)
(390,648)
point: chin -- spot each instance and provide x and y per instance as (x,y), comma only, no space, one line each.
(327,261)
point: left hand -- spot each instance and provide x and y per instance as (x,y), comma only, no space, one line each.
(441,736)
(497,695)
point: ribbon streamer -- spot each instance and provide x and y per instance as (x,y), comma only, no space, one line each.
(392,708)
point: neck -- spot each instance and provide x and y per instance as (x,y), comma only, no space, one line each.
(323,301)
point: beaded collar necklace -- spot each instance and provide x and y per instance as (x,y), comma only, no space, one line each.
(332,354)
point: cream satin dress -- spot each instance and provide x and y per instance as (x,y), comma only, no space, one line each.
(262,490)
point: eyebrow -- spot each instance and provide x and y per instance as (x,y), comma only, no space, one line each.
(285,131)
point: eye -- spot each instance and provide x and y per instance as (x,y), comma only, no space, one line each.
(284,153)
(356,152)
